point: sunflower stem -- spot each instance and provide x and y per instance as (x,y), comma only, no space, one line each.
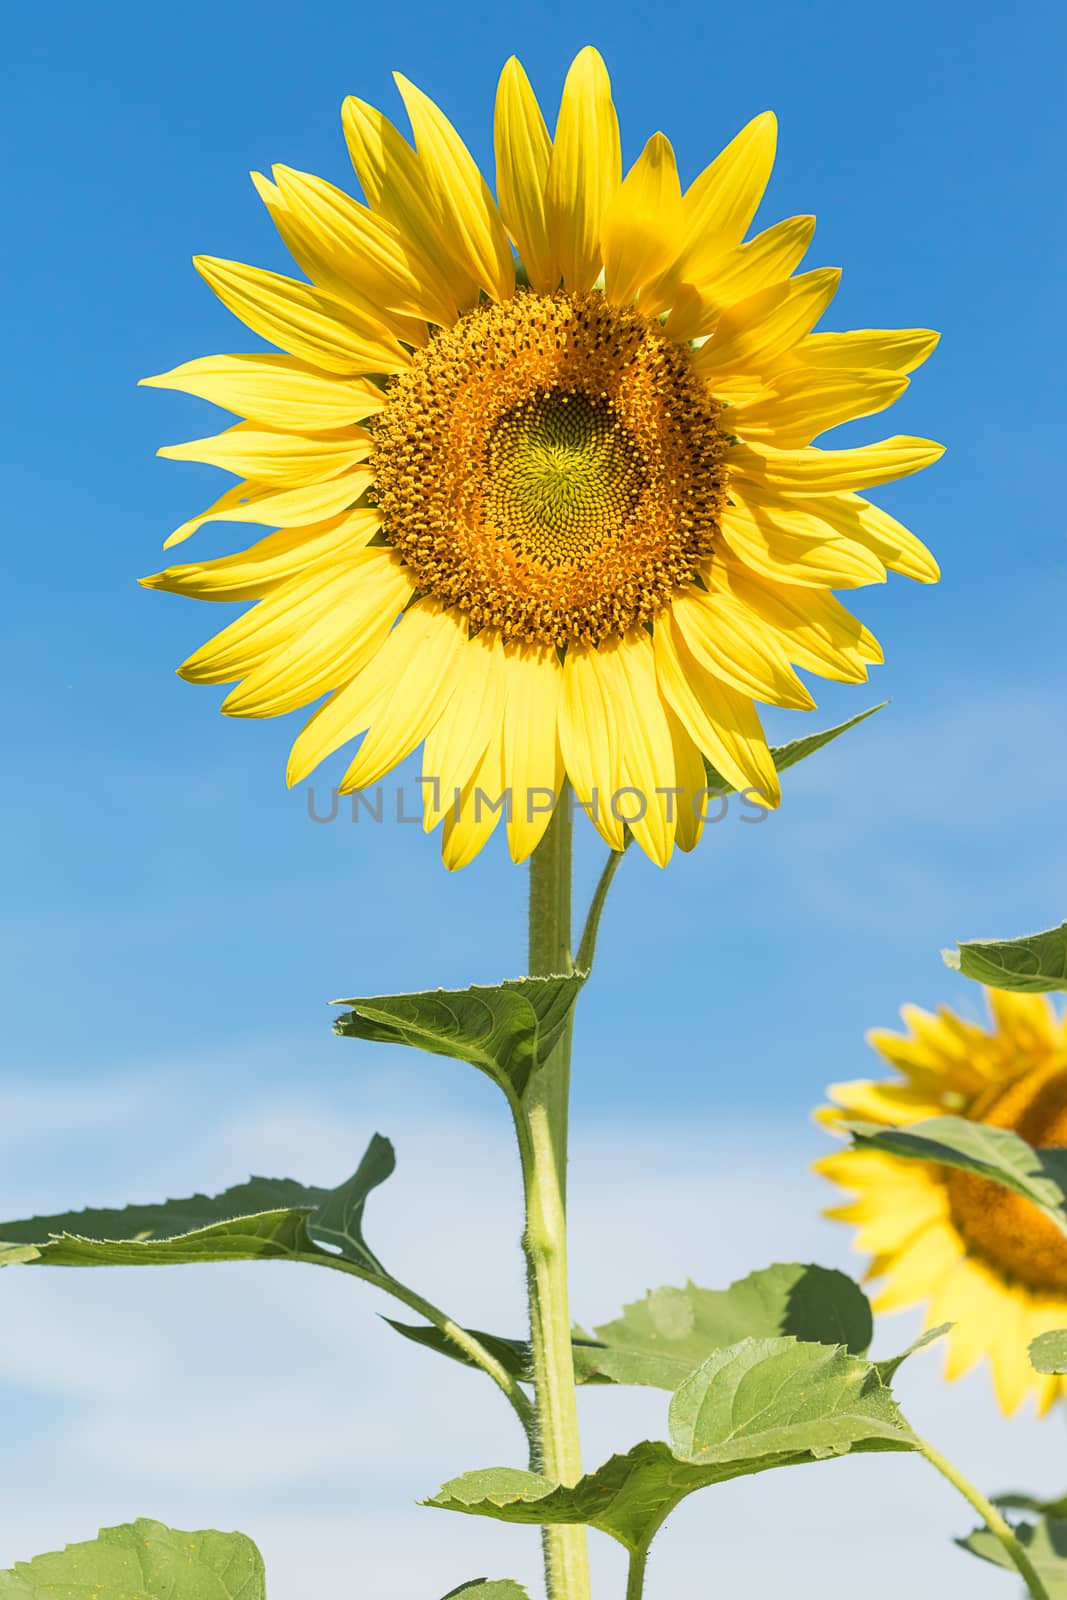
(998,1526)
(541,1123)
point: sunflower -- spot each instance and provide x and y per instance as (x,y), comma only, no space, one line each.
(979,1256)
(541,470)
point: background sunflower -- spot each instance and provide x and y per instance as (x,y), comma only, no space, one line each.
(975,1254)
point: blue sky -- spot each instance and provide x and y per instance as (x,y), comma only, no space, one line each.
(173,924)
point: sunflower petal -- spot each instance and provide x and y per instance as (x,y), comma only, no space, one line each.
(891,349)
(584,172)
(722,723)
(303,321)
(722,201)
(640,228)
(789,545)
(278,391)
(587,736)
(813,471)
(757,330)
(798,406)
(472,717)
(465,203)
(285,508)
(731,642)
(271,456)
(523,153)
(533,762)
(700,287)
(254,572)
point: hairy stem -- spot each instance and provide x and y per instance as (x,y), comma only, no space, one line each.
(541,1123)
(998,1527)
(635,1574)
(587,948)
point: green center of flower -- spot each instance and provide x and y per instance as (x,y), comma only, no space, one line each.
(563,475)
(1003,1228)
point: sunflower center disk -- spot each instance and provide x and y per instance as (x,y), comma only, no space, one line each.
(1008,1231)
(552,467)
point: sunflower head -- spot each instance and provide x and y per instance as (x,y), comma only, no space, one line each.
(975,1254)
(540,469)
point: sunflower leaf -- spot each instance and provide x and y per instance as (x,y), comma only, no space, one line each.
(263,1219)
(1045,1542)
(143,1560)
(1033,964)
(489,1589)
(659,1340)
(770,1397)
(757,1405)
(504,1031)
(1048,1352)
(996,1153)
(887,1369)
(788,755)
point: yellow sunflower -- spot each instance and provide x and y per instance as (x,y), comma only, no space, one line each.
(542,470)
(978,1255)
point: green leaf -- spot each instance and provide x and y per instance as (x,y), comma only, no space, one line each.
(1034,964)
(788,755)
(489,1589)
(996,1153)
(658,1341)
(770,1397)
(505,1031)
(758,1405)
(887,1369)
(264,1218)
(1045,1543)
(1048,1352)
(142,1560)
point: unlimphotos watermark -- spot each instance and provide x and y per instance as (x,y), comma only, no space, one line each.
(379,805)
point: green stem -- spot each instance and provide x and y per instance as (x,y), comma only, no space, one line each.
(998,1527)
(587,948)
(471,1346)
(541,1124)
(635,1576)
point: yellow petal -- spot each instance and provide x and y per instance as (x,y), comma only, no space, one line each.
(274,621)
(894,1104)
(533,762)
(523,152)
(279,391)
(473,715)
(304,321)
(813,471)
(791,546)
(856,519)
(730,642)
(755,331)
(701,286)
(690,777)
(426,637)
(627,671)
(810,627)
(918,1269)
(271,456)
(407,686)
(396,185)
(892,349)
(722,201)
(285,508)
(1028,1021)
(256,571)
(797,406)
(466,207)
(365,601)
(346,248)
(587,739)
(723,724)
(584,172)
(639,234)
(468,827)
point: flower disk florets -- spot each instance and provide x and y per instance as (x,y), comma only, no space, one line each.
(552,467)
